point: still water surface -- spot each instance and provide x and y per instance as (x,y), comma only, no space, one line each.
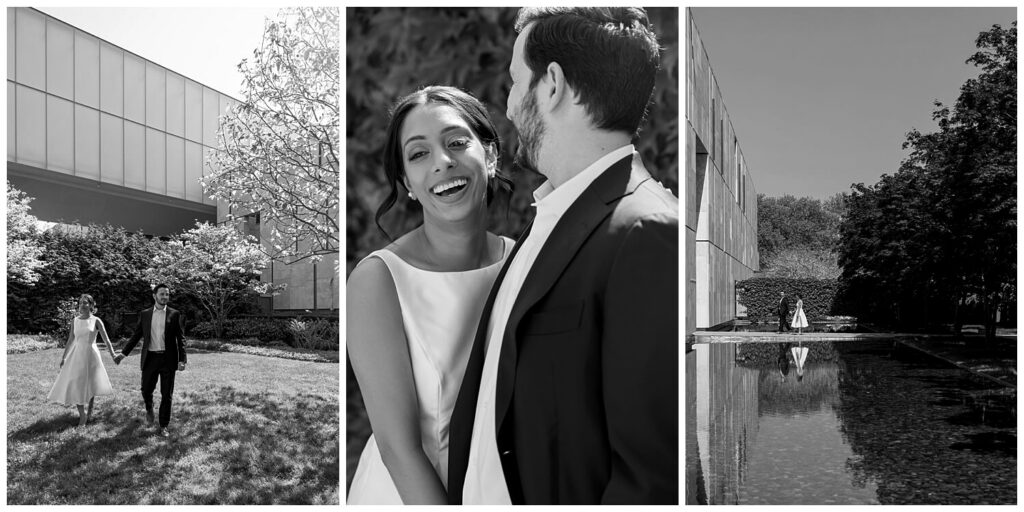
(857,423)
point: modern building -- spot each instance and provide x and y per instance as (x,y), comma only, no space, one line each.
(98,134)
(721,201)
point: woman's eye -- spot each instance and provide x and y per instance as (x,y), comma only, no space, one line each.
(416,155)
(459,143)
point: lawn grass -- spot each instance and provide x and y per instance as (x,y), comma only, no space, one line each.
(245,429)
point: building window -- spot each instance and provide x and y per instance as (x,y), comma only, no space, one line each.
(251,225)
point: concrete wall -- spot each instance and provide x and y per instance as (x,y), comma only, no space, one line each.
(721,211)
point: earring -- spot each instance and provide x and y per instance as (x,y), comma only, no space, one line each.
(412,197)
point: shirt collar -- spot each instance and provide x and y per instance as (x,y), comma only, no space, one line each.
(560,198)
(156,307)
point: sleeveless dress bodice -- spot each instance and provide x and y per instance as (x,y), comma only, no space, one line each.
(440,313)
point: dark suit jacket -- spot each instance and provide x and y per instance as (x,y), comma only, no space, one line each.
(587,398)
(174,335)
(783,307)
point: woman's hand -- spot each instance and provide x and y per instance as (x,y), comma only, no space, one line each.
(62,363)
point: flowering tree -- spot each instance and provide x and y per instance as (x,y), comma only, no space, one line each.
(278,147)
(216,265)
(23,248)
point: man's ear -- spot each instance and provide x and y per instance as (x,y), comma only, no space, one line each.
(554,91)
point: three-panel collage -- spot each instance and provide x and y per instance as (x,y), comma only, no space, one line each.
(535,309)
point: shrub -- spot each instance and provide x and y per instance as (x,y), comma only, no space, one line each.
(316,334)
(263,329)
(760,295)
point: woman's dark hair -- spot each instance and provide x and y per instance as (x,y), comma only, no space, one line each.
(88,300)
(469,109)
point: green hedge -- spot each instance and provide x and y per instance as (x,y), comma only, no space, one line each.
(760,296)
(264,329)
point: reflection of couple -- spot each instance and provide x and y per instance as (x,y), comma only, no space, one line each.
(543,371)
(82,376)
(799,354)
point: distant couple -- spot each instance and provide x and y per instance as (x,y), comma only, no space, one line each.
(541,371)
(82,376)
(799,317)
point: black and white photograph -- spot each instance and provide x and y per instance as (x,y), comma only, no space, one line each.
(851,243)
(173,187)
(512,258)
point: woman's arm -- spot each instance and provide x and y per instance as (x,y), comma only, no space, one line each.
(379,353)
(67,346)
(106,339)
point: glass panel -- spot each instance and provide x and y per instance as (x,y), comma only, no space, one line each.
(193,111)
(175,104)
(134,155)
(11,44)
(87,142)
(87,70)
(60,64)
(60,135)
(31,49)
(193,171)
(156,96)
(111,79)
(12,138)
(207,165)
(31,126)
(156,162)
(134,88)
(211,111)
(175,166)
(111,149)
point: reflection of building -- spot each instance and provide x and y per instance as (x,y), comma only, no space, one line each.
(98,134)
(721,211)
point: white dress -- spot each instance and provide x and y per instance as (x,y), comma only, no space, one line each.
(83,376)
(440,312)
(799,319)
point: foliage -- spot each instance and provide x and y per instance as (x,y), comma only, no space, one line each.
(279,147)
(258,348)
(263,329)
(806,225)
(760,296)
(104,261)
(24,253)
(244,430)
(216,265)
(939,235)
(394,51)
(23,343)
(803,263)
(316,334)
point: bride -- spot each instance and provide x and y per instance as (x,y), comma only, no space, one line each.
(413,306)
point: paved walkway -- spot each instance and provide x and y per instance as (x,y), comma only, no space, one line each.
(788,337)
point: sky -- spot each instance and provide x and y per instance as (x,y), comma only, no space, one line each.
(821,98)
(204,44)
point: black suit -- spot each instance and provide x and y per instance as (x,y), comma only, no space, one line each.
(783,313)
(159,366)
(587,399)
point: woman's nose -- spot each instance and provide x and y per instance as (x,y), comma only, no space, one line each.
(444,161)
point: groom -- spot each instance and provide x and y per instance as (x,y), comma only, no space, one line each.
(163,352)
(570,394)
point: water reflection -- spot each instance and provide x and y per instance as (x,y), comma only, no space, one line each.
(853,423)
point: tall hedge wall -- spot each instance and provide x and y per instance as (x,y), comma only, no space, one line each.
(760,296)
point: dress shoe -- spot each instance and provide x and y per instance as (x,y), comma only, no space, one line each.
(164,433)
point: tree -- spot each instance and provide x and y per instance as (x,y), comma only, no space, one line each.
(939,235)
(279,147)
(217,266)
(24,251)
(796,235)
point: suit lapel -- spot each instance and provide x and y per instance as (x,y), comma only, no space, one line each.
(565,240)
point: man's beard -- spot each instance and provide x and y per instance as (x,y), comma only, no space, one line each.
(530,131)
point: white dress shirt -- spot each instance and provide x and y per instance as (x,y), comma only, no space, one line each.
(156,330)
(485,480)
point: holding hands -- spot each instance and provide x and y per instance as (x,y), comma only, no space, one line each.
(118,358)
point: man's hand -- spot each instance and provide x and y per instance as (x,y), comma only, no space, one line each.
(181,367)
(118,358)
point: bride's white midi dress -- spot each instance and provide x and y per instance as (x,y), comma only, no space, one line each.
(83,376)
(440,313)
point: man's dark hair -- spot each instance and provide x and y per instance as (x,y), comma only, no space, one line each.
(609,55)
(161,285)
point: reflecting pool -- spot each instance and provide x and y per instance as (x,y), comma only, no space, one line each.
(863,422)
